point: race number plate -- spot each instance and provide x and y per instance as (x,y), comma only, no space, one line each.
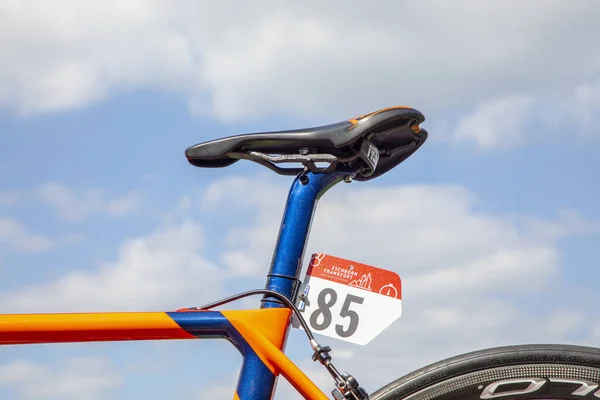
(349,301)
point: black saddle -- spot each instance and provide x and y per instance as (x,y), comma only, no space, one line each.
(371,144)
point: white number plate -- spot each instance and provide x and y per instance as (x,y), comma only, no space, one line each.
(349,301)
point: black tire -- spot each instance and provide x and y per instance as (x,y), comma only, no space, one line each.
(505,373)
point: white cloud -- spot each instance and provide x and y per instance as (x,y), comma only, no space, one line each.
(497,123)
(397,227)
(563,322)
(258,198)
(585,107)
(8,197)
(567,223)
(163,270)
(516,120)
(78,378)
(310,58)
(77,204)
(73,238)
(17,237)
(243,192)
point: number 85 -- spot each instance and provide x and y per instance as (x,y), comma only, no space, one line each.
(324,308)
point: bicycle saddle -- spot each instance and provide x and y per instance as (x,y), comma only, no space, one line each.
(371,144)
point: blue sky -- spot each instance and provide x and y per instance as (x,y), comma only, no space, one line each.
(493,225)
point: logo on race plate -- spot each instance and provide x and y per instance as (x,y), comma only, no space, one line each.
(355,274)
(389,290)
(316,259)
(364,282)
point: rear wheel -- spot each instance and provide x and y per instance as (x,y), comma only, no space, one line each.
(508,373)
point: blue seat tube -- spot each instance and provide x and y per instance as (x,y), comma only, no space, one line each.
(286,264)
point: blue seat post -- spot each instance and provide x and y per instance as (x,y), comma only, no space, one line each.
(286,265)
(302,199)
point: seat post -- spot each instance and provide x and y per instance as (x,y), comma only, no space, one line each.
(286,264)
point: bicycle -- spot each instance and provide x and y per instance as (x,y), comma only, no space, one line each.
(358,149)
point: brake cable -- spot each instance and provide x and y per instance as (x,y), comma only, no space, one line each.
(347,386)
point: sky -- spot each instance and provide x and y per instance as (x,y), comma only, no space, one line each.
(492,225)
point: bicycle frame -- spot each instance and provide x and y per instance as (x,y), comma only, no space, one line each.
(259,335)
